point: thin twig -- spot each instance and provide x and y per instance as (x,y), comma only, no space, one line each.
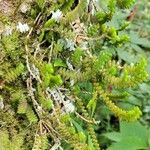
(37,108)
(89,121)
(56,145)
(29,69)
(34,24)
(50,53)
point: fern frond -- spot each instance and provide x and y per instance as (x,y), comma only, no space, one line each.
(93,137)
(130,115)
(73,75)
(40,142)
(118,96)
(130,76)
(22,106)
(90,129)
(6,143)
(32,118)
(46,103)
(13,74)
(11,46)
(4,140)
(37,143)
(17,141)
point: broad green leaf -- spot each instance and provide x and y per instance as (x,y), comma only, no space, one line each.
(149,139)
(114,136)
(134,37)
(77,125)
(137,48)
(132,136)
(126,56)
(128,129)
(130,143)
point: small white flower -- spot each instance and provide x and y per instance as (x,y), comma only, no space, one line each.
(22,27)
(57,15)
(68,106)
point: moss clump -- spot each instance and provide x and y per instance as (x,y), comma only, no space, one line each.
(56,66)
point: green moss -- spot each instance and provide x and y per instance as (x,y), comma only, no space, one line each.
(48,78)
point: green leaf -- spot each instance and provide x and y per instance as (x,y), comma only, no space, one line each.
(133,129)
(126,56)
(77,126)
(149,138)
(134,37)
(130,143)
(59,63)
(49,23)
(90,144)
(132,136)
(137,48)
(114,136)
(92,105)
(81,133)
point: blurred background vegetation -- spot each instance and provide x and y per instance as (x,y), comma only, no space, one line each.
(139,31)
